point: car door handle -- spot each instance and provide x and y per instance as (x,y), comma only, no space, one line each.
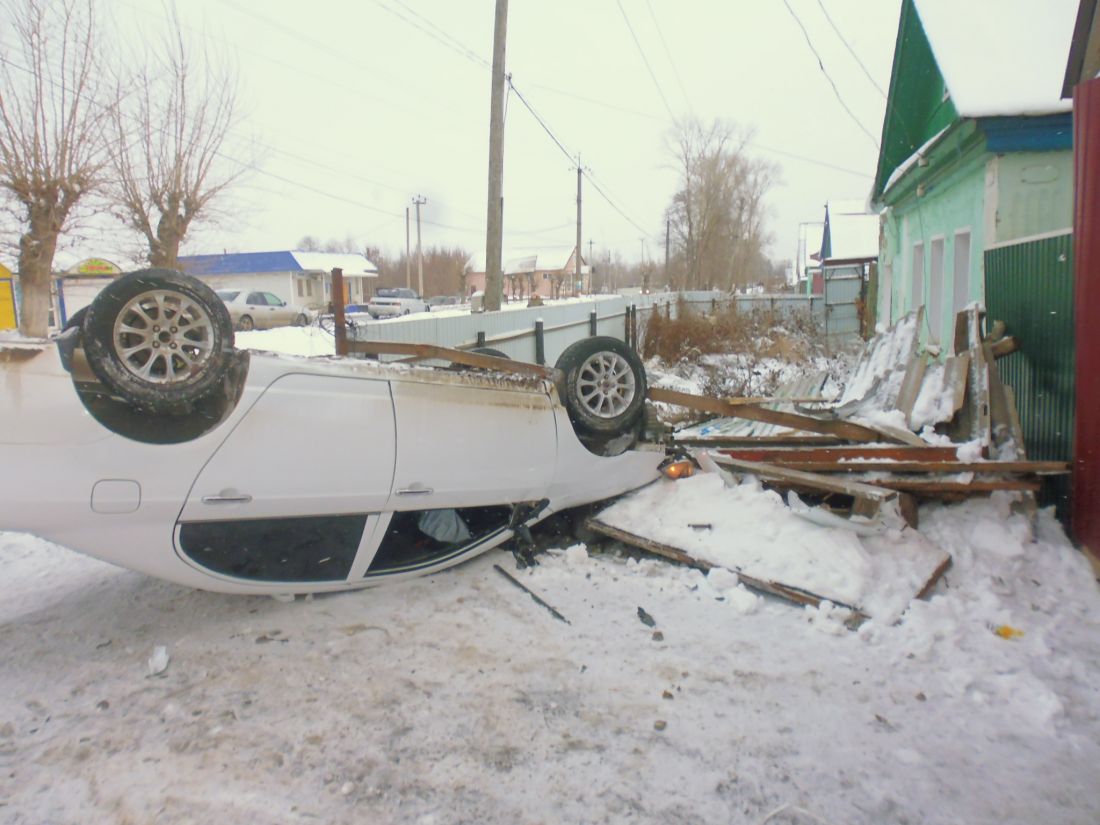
(240,498)
(415,490)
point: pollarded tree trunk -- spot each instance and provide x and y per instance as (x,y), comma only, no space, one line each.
(36,250)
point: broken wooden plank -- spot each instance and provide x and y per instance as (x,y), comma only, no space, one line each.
(667,551)
(456,356)
(972,421)
(910,387)
(826,453)
(930,489)
(797,421)
(931,467)
(828,484)
(955,371)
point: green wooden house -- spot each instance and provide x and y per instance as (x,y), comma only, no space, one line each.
(976,152)
(975,186)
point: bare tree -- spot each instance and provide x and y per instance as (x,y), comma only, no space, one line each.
(717,215)
(53,111)
(168,138)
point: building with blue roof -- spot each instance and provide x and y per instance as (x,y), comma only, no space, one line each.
(302,279)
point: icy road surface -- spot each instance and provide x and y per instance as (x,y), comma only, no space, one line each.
(456,699)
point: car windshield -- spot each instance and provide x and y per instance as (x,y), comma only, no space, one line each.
(228,294)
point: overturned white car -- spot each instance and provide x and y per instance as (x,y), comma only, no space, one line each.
(142,437)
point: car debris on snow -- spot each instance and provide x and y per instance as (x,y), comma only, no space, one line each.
(901,432)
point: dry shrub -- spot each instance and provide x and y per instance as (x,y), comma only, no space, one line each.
(758,334)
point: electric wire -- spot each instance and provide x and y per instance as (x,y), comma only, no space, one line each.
(828,77)
(668,54)
(851,51)
(645,60)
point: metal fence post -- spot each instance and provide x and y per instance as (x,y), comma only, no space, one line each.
(592,321)
(481,337)
(540,343)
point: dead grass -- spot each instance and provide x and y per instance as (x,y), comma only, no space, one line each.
(758,334)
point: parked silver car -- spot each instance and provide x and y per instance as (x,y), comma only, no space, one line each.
(255,309)
(391,302)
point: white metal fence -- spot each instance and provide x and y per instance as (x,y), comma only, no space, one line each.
(516,332)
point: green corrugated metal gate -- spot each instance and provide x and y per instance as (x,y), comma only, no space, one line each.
(1029,286)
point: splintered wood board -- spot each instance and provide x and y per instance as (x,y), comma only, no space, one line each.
(698,521)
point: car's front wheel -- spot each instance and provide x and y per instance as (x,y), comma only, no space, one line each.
(246,324)
(158,338)
(605,385)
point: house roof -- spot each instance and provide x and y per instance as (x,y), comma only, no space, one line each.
(1084,52)
(1001,57)
(850,234)
(515,262)
(255,263)
(978,59)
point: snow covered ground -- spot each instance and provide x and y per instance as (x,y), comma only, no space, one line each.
(456,698)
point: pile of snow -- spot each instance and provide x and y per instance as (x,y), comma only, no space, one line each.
(456,698)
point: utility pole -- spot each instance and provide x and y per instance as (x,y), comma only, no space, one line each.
(408,254)
(494,214)
(418,200)
(668,225)
(577,250)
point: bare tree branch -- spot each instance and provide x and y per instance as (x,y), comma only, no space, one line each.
(717,216)
(53,108)
(166,156)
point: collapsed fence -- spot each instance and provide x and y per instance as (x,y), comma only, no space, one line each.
(539,334)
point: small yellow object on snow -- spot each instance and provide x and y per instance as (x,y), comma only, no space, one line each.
(1006,631)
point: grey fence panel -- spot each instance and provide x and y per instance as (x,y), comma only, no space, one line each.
(512,331)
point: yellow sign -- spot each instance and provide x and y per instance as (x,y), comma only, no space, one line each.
(94,266)
(7,298)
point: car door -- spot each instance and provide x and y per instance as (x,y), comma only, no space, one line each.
(282,315)
(466,444)
(297,486)
(257,309)
(468,453)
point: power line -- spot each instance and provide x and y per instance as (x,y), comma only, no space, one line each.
(613,205)
(821,65)
(645,60)
(442,37)
(668,54)
(541,122)
(851,51)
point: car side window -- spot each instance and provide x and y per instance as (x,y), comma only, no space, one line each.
(256,298)
(306,549)
(273,300)
(420,538)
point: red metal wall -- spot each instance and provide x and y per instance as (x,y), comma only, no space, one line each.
(1085,520)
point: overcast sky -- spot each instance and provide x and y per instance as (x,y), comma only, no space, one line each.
(354,108)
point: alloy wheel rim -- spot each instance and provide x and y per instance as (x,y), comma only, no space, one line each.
(605,385)
(163,337)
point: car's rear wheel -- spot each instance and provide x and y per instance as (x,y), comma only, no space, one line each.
(302,320)
(158,338)
(605,385)
(246,324)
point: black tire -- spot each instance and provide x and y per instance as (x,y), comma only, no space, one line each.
(158,338)
(604,385)
(246,324)
(77,320)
